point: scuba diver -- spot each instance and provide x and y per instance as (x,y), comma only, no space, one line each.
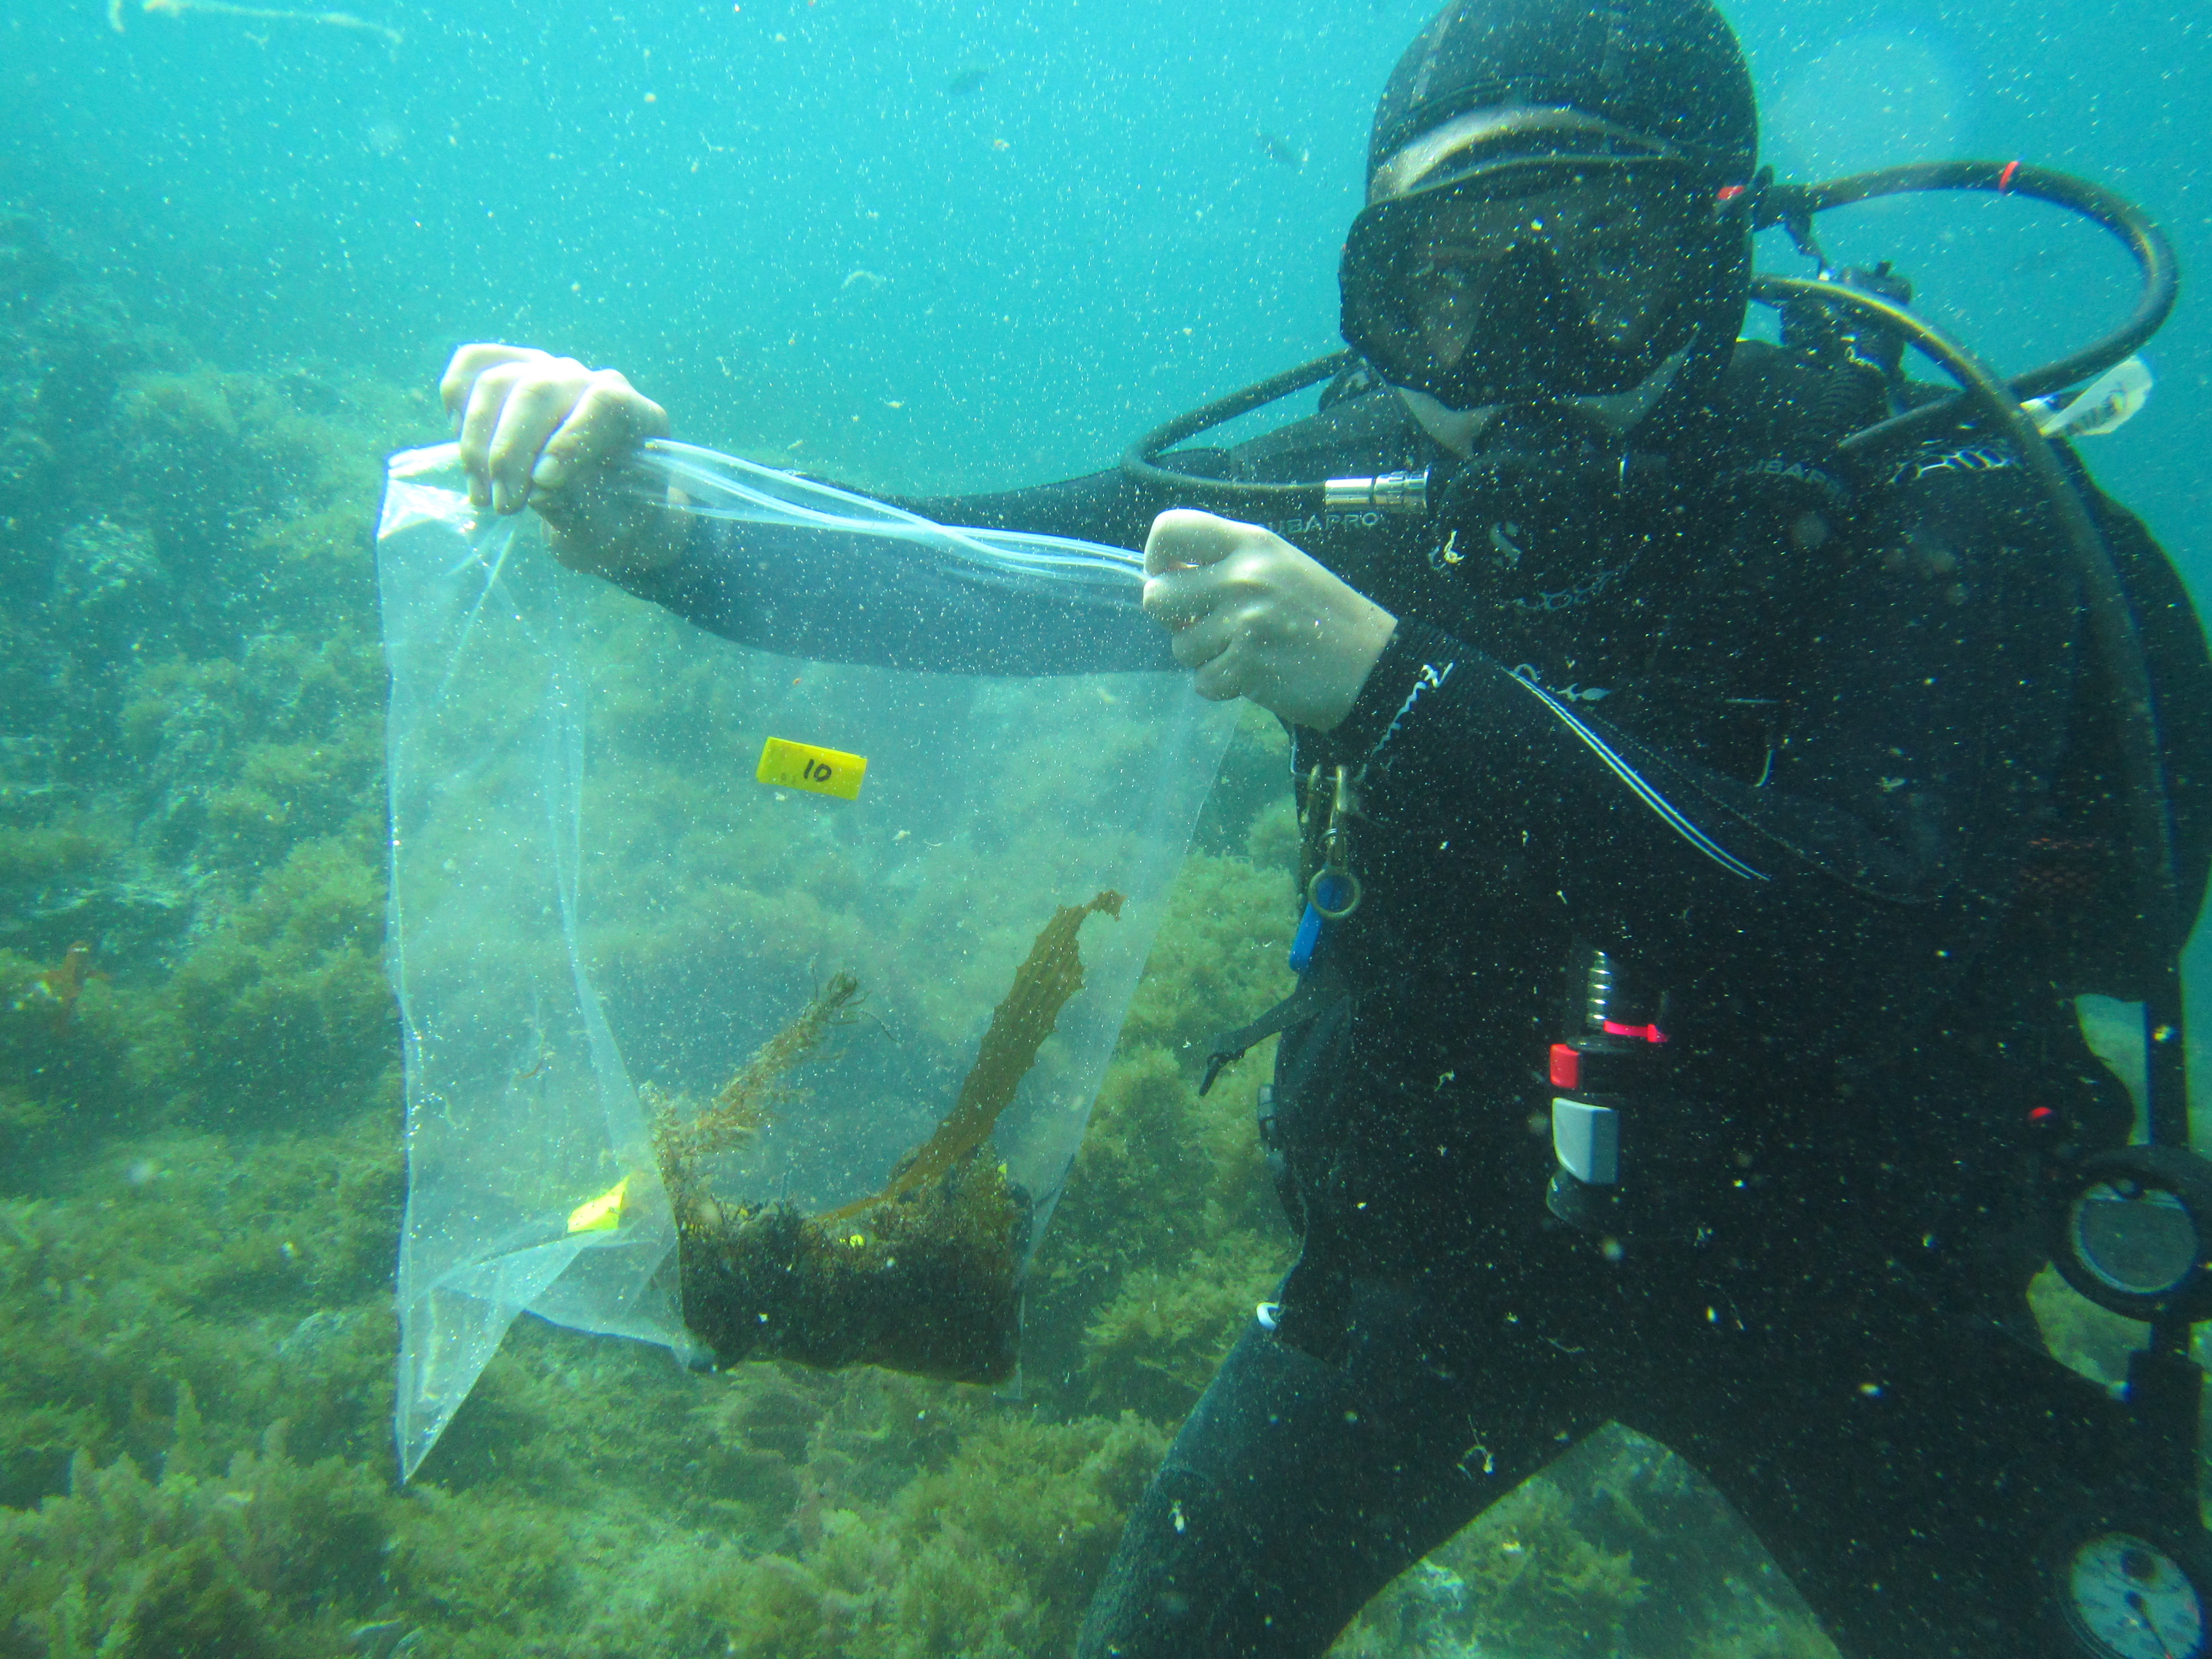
(1708,820)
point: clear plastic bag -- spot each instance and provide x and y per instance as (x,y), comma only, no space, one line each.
(601,913)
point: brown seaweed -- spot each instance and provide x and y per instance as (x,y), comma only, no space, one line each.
(1052,974)
(928,1284)
(742,1106)
(923,1277)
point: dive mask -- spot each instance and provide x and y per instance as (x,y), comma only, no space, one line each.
(1528,253)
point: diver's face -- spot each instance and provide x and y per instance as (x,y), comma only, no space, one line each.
(1607,245)
(1523,254)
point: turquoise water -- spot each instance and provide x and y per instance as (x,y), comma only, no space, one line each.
(902,245)
(1087,237)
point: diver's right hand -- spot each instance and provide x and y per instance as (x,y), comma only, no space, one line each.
(548,432)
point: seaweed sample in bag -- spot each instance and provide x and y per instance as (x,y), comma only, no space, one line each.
(923,1277)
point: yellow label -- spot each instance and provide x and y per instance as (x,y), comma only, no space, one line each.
(600,1214)
(805,766)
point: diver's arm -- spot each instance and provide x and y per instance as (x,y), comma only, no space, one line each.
(841,599)
(849,598)
(1928,693)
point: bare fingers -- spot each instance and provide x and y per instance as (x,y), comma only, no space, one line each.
(609,420)
(512,410)
(468,365)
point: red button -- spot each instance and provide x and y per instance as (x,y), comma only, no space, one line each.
(1566,1066)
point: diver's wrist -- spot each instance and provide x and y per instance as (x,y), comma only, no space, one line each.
(1396,670)
(1371,633)
(621,540)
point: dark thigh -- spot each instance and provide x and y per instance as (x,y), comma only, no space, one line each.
(1297,1490)
(1907,1478)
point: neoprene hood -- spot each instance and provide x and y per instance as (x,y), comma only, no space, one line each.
(1670,69)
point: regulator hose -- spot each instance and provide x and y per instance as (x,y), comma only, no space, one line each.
(1140,461)
(1793,206)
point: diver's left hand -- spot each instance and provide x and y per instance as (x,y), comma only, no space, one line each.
(1257,618)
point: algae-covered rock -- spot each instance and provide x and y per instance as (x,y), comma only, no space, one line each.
(187,1262)
(283,1011)
(1157,1343)
(240,759)
(992,1551)
(927,1283)
(1222,957)
(268,1559)
(111,596)
(189,1602)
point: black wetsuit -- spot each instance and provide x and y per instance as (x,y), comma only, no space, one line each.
(1783,740)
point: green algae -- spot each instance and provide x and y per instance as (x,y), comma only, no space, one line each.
(267,1557)
(283,1011)
(255,1278)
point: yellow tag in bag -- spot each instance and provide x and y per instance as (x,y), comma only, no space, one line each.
(806,766)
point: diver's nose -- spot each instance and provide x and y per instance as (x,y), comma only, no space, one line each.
(1526,292)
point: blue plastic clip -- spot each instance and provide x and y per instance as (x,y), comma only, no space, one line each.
(1334,893)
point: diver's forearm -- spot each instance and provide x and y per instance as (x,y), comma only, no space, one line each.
(871,599)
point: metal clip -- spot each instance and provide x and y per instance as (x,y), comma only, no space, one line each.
(1333,891)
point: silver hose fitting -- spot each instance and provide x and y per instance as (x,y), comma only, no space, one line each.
(1402,494)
